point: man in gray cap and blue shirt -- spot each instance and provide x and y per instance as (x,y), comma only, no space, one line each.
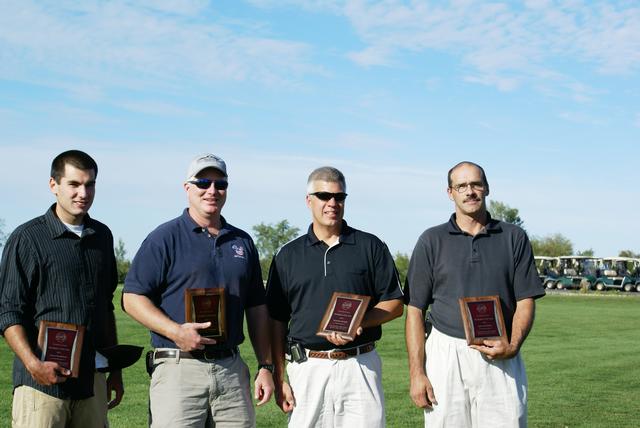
(196,380)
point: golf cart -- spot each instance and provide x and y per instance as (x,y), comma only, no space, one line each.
(577,272)
(615,273)
(547,270)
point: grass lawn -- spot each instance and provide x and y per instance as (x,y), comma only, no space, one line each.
(582,360)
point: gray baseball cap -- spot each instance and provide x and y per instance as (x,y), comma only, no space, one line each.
(203,161)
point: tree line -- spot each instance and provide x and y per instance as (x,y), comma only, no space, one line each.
(269,237)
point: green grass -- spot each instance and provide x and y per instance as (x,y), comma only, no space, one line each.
(582,360)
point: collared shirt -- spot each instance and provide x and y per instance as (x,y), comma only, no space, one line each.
(448,263)
(179,255)
(306,271)
(49,273)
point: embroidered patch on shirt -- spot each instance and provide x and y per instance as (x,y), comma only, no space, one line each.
(239,251)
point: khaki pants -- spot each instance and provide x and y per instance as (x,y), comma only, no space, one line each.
(194,393)
(35,409)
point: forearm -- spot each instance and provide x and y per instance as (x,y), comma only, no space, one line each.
(259,326)
(278,341)
(111,333)
(414,337)
(16,338)
(522,322)
(383,312)
(142,309)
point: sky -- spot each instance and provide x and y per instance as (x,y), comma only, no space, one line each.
(543,94)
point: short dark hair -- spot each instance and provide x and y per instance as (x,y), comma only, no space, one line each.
(484,176)
(76,158)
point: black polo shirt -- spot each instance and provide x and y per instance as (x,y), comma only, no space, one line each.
(448,263)
(180,254)
(305,272)
(49,273)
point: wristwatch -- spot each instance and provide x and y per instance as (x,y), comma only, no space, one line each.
(266,366)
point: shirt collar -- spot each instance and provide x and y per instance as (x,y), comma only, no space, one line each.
(493,226)
(57,229)
(347,235)
(191,224)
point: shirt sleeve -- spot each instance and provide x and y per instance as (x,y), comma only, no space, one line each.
(387,282)
(256,295)
(277,303)
(419,283)
(526,282)
(147,273)
(18,275)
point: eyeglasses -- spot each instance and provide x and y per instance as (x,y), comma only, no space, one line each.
(205,183)
(327,196)
(478,186)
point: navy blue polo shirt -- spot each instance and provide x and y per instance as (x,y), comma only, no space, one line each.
(448,263)
(305,272)
(180,254)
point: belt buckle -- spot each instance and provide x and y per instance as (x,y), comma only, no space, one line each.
(329,354)
(206,356)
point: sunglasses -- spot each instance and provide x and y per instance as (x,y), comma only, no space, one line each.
(327,196)
(205,183)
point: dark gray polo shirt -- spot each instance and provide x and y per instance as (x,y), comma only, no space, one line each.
(49,273)
(180,254)
(305,273)
(448,263)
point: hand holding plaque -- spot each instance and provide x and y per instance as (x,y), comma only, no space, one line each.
(61,343)
(482,319)
(343,315)
(207,305)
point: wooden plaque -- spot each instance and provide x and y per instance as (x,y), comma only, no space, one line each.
(482,319)
(62,344)
(207,305)
(343,315)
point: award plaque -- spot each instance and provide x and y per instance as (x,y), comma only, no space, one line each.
(482,319)
(62,344)
(207,305)
(343,315)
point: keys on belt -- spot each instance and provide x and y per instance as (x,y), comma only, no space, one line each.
(342,354)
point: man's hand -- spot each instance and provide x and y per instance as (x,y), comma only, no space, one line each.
(284,397)
(339,340)
(422,392)
(188,338)
(263,386)
(115,384)
(496,349)
(48,373)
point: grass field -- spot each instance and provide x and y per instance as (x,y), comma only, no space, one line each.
(582,357)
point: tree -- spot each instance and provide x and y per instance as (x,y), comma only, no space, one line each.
(402,264)
(269,238)
(552,245)
(122,263)
(628,253)
(588,252)
(504,212)
(3,236)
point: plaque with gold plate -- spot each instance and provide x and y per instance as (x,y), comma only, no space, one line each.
(61,343)
(207,305)
(482,319)
(343,315)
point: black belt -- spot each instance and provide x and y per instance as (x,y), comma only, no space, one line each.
(342,354)
(205,354)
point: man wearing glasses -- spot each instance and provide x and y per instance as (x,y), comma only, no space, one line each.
(198,380)
(472,255)
(332,381)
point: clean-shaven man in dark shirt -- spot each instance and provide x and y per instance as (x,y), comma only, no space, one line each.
(60,267)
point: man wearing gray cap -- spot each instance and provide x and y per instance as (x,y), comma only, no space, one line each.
(190,283)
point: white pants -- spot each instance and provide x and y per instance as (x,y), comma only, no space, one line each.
(472,391)
(337,393)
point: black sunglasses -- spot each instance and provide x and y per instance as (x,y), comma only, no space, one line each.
(327,196)
(205,183)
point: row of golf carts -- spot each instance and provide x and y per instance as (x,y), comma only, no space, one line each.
(589,273)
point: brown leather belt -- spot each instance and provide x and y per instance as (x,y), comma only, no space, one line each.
(342,354)
(206,354)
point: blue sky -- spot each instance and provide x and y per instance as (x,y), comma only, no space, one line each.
(543,94)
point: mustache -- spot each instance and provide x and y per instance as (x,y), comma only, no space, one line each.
(472,198)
